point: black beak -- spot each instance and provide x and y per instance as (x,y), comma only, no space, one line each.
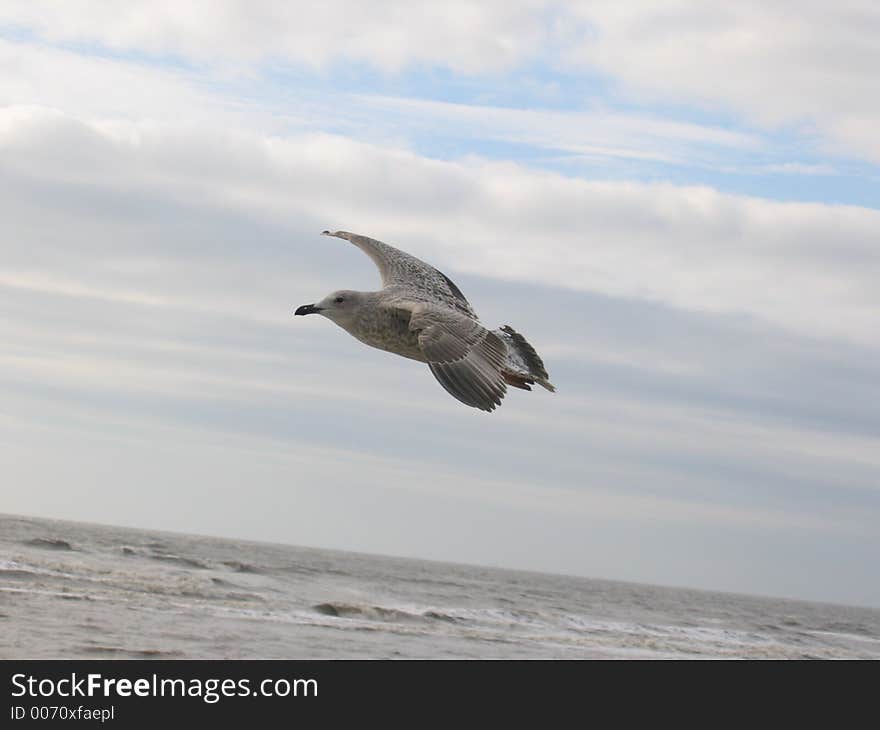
(308,309)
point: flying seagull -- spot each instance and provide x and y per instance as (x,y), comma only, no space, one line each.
(421,314)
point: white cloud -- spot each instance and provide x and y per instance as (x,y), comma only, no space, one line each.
(466,36)
(811,268)
(123,89)
(596,133)
(811,65)
(33,74)
(607,488)
(799,168)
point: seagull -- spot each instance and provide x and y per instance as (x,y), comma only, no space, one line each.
(422,315)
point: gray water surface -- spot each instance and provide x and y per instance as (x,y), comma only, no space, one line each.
(73,590)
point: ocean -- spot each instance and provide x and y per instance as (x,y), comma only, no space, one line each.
(73,590)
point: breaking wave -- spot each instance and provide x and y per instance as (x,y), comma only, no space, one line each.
(427,613)
(178,560)
(48,543)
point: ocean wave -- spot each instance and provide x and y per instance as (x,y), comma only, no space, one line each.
(847,636)
(696,634)
(178,560)
(847,627)
(206,594)
(448,615)
(48,543)
(312,570)
(65,595)
(374,613)
(162,556)
(240,567)
(13,569)
(225,583)
(12,573)
(136,653)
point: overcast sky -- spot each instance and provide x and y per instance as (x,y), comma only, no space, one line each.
(677,203)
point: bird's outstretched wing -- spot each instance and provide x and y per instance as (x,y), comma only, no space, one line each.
(464,356)
(400,270)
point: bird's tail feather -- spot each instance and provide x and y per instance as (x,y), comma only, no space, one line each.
(524,366)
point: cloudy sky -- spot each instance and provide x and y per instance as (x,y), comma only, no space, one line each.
(678,203)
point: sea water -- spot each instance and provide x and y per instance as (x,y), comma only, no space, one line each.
(74,590)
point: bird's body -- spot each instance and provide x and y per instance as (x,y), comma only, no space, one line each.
(387,328)
(422,315)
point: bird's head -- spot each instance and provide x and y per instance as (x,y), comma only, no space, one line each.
(340,307)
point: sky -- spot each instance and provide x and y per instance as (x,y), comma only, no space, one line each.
(677,203)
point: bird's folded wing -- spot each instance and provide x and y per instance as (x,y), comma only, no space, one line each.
(399,269)
(464,356)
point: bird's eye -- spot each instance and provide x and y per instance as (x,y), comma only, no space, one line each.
(339,300)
